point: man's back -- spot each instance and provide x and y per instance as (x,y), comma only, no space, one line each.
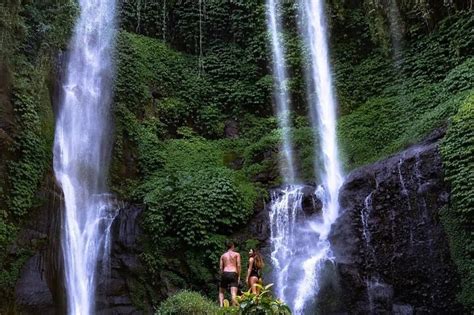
(230,261)
(230,273)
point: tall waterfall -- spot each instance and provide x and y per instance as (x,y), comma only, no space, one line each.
(82,151)
(285,203)
(323,119)
(300,245)
(396,31)
(280,92)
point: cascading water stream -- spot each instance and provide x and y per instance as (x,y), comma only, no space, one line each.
(285,207)
(396,31)
(323,119)
(82,152)
(300,245)
(282,100)
(286,202)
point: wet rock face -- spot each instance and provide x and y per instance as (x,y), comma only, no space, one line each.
(310,204)
(32,291)
(389,236)
(40,285)
(41,288)
(114,289)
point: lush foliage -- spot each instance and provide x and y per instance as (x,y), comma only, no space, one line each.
(31,35)
(187,303)
(423,93)
(195,195)
(458,158)
(193,303)
(262,303)
(32,32)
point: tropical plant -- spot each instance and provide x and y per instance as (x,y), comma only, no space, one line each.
(262,303)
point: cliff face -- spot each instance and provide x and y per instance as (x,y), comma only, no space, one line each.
(391,251)
(41,288)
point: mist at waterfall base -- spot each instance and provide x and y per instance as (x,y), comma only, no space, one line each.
(82,148)
(300,258)
(300,246)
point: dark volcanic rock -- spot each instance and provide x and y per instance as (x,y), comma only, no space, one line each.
(114,291)
(32,291)
(391,250)
(231,129)
(40,289)
(42,274)
(310,204)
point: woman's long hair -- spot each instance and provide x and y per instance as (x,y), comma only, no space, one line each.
(258,259)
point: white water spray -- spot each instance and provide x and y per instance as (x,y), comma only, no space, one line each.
(285,206)
(282,100)
(82,152)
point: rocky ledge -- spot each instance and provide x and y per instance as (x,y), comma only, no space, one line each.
(392,254)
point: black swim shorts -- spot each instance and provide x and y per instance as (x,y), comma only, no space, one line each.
(229,279)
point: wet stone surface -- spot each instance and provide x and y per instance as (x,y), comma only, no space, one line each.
(389,236)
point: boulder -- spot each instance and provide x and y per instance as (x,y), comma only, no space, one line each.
(401,242)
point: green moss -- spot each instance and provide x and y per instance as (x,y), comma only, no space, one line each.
(458,159)
(32,144)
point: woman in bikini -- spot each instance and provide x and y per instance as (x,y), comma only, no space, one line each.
(254,271)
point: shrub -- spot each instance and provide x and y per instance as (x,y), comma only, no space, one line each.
(187,303)
(194,195)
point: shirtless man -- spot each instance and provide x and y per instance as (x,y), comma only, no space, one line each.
(230,273)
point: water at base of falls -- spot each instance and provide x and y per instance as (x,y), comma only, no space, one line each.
(299,245)
(82,148)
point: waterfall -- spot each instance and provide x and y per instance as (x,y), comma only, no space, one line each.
(285,206)
(281,98)
(323,119)
(396,31)
(300,246)
(285,203)
(82,152)
(365,216)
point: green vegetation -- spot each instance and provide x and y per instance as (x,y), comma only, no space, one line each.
(458,158)
(194,195)
(261,303)
(193,303)
(187,302)
(31,35)
(410,101)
